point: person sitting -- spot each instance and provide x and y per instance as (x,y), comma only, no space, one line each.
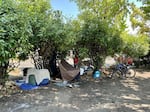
(76,61)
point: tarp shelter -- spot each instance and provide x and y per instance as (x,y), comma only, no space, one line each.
(34,79)
(68,72)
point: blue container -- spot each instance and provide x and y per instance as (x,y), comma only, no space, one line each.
(97,74)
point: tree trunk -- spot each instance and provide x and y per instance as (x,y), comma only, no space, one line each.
(3,72)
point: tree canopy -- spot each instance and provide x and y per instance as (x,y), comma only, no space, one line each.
(14,32)
(140,17)
(30,25)
(27,26)
(135,46)
(101,23)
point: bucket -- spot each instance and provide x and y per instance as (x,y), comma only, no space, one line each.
(97,74)
(32,80)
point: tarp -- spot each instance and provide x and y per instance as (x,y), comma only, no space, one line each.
(68,72)
(27,86)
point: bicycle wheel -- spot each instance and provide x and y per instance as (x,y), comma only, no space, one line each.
(130,73)
(116,74)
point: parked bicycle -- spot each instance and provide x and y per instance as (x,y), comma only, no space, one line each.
(123,70)
(119,71)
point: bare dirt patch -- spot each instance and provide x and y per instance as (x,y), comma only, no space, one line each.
(107,95)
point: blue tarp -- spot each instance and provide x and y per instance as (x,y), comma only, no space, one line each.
(44,82)
(26,86)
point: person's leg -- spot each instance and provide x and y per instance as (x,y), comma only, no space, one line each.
(77,78)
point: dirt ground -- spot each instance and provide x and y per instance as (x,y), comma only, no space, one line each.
(107,95)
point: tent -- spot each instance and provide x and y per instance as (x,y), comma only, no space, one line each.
(68,72)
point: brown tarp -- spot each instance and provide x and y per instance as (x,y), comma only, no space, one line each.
(68,72)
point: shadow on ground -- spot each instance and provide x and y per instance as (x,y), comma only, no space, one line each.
(107,95)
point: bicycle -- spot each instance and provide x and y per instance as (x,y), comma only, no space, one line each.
(119,71)
(123,70)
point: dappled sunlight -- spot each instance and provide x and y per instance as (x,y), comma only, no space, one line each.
(106,106)
(84,95)
(40,97)
(56,98)
(119,95)
(39,36)
(95,90)
(143,75)
(130,84)
(54,89)
(44,87)
(98,94)
(64,105)
(18,107)
(16,72)
(138,107)
(130,97)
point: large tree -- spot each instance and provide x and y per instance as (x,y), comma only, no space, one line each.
(49,31)
(101,23)
(30,26)
(14,33)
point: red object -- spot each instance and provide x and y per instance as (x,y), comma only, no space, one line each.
(129,61)
(76,60)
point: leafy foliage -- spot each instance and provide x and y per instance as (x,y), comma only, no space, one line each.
(14,32)
(135,46)
(98,39)
(112,12)
(140,19)
(100,25)
(146,8)
(30,25)
(49,32)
